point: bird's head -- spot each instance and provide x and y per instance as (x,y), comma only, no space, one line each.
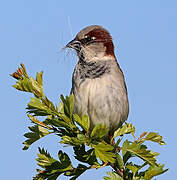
(93,43)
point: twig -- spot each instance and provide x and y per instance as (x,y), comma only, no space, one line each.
(118,171)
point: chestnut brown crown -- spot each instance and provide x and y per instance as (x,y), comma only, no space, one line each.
(93,35)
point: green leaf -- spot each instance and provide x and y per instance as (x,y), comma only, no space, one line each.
(39,78)
(155,137)
(68,104)
(36,133)
(27,84)
(68,121)
(99,131)
(140,150)
(65,161)
(126,129)
(73,141)
(57,122)
(44,158)
(113,176)
(43,151)
(45,175)
(127,156)
(120,162)
(52,167)
(103,151)
(125,144)
(24,70)
(76,172)
(61,107)
(154,171)
(85,156)
(37,88)
(61,127)
(45,161)
(49,104)
(53,176)
(24,85)
(36,107)
(84,122)
(134,167)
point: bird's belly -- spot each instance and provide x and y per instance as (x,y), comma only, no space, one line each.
(103,102)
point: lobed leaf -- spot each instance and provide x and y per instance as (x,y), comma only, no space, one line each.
(57,122)
(103,151)
(61,107)
(27,84)
(73,141)
(139,150)
(36,107)
(45,152)
(36,133)
(134,167)
(39,78)
(84,122)
(49,104)
(24,85)
(76,172)
(85,156)
(154,171)
(52,167)
(112,176)
(154,137)
(37,88)
(99,131)
(125,129)
(68,104)
(65,162)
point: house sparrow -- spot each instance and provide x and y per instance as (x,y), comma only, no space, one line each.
(98,83)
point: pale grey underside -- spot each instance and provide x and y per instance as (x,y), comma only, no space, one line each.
(104,98)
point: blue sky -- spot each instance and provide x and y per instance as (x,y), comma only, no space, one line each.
(145,38)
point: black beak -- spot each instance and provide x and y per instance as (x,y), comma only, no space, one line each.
(74,44)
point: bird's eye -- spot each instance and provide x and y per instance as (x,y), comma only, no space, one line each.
(87,40)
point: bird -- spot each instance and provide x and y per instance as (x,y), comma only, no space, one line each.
(98,83)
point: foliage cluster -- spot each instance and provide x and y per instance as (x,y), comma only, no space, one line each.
(91,148)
